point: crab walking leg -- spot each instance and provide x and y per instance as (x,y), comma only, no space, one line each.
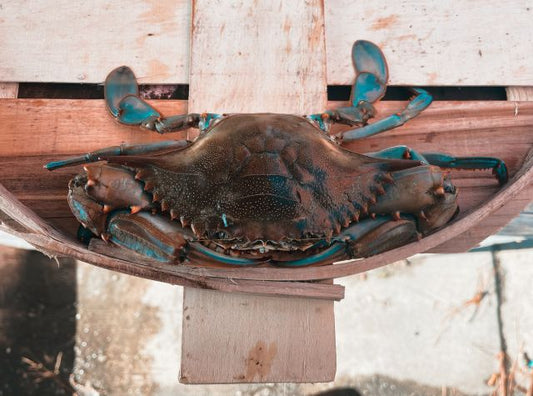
(421,101)
(123,149)
(124,103)
(201,253)
(366,238)
(399,152)
(499,169)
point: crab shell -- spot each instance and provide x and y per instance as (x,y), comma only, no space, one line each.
(262,183)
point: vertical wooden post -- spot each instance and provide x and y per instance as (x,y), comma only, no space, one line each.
(261,56)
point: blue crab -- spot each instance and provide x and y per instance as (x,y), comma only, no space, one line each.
(258,188)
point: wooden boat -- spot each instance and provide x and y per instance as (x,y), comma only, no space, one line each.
(34,206)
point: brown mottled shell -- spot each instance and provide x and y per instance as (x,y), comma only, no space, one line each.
(266,177)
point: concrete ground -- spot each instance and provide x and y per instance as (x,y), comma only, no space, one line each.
(433,325)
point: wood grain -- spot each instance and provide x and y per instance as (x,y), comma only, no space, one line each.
(436,42)
(425,43)
(272,339)
(256,338)
(80,42)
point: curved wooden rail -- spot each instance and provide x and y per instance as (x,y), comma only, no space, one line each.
(24,223)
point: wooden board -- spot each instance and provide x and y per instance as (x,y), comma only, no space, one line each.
(249,338)
(246,338)
(436,42)
(426,43)
(81,41)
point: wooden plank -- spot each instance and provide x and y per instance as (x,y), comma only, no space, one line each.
(236,338)
(425,42)
(257,339)
(70,126)
(78,41)
(436,42)
(523,224)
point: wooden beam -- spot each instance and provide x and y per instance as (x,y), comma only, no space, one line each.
(437,42)
(275,62)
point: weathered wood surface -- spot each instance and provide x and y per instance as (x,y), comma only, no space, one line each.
(36,131)
(435,42)
(235,338)
(80,41)
(426,43)
(256,338)
(522,225)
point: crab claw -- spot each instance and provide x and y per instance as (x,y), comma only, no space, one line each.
(372,73)
(122,98)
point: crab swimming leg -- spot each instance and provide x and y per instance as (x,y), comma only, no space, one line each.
(499,169)
(370,85)
(123,149)
(124,103)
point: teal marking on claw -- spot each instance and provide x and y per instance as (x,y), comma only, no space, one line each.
(221,257)
(119,83)
(324,255)
(133,110)
(372,73)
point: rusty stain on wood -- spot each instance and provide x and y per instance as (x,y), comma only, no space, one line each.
(384,23)
(259,360)
(157,69)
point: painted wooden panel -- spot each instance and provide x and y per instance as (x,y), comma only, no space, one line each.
(435,42)
(426,42)
(81,41)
